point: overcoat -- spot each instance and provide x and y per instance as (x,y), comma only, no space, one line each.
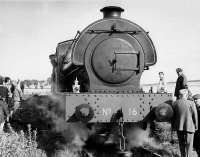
(185,116)
(3,111)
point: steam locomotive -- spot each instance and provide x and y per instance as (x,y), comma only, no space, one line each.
(107,58)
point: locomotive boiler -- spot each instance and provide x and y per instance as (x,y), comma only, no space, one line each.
(107,58)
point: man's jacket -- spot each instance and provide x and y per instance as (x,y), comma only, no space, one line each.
(185,116)
(181,83)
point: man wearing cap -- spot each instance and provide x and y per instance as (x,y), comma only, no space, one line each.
(8,85)
(3,91)
(185,122)
(196,143)
(3,112)
(181,82)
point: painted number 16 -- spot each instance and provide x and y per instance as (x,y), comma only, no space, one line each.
(132,112)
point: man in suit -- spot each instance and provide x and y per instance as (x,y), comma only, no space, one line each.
(3,112)
(181,82)
(3,91)
(8,85)
(185,122)
(196,143)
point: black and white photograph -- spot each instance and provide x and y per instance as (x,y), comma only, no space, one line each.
(99,78)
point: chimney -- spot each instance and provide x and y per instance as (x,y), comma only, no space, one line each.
(112,12)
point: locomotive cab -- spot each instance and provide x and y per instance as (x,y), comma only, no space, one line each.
(64,71)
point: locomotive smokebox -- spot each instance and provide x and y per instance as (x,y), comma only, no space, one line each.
(112,12)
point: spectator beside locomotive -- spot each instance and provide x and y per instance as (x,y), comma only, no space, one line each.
(1,79)
(181,82)
(8,85)
(185,122)
(19,85)
(3,104)
(3,91)
(162,85)
(17,96)
(151,89)
(22,86)
(196,142)
(3,112)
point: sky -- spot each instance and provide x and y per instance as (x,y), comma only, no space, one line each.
(31,29)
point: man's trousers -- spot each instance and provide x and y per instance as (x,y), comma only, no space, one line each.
(185,143)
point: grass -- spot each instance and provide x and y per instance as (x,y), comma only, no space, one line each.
(168,140)
(13,144)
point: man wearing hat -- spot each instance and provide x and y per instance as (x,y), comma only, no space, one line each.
(181,82)
(3,112)
(196,143)
(185,122)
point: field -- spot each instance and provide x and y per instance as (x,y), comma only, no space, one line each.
(14,144)
(31,91)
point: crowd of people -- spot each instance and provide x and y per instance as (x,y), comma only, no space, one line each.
(11,95)
(186,119)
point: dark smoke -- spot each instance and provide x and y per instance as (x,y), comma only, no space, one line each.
(139,138)
(46,115)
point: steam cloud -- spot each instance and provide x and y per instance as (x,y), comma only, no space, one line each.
(46,114)
(139,138)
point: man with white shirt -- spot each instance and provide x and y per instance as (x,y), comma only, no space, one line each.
(162,85)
